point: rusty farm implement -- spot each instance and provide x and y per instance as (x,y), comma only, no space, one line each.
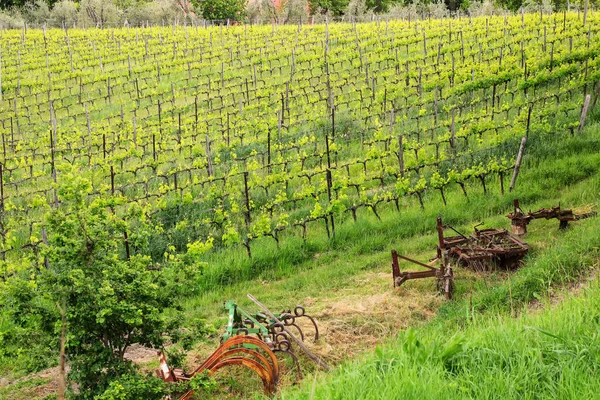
(485,249)
(442,272)
(246,351)
(520,219)
(252,340)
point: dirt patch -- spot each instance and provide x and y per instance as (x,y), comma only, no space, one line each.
(140,354)
(352,323)
(136,353)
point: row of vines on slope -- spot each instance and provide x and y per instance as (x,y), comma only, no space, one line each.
(244,132)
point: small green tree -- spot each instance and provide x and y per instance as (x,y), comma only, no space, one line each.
(111,302)
(233,10)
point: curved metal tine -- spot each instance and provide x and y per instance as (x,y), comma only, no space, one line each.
(314,324)
(234,342)
(268,380)
(263,360)
(280,338)
(295,361)
(299,330)
(290,320)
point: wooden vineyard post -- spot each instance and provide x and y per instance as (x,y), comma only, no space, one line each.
(401,155)
(134,129)
(452,76)
(53,169)
(222,74)
(209,164)
(453,131)
(112,180)
(247,198)
(435,107)
(108,89)
(517,164)
(12,134)
(154,146)
(529,111)
(279,123)
(329,183)
(179,131)
(522,18)
(585,11)
(586,104)
(269,150)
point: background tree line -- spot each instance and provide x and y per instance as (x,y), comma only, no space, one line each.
(59,13)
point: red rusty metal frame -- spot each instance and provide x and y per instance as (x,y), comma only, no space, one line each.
(443,272)
(231,352)
(484,248)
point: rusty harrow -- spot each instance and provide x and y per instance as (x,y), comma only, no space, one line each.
(483,250)
(520,220)
(486,249)
(252,341)
(246,351)
(271,330)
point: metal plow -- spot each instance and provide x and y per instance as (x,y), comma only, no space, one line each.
(274,331)
(520,220)
(246,351)
(485,249)
(252,341)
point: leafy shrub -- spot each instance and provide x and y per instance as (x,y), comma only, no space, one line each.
(8,21)
(233,10)
(36,12)
(133,387)
(110,303)
(98,13)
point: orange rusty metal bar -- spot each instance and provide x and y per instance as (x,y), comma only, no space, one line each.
(256,354)
(236,341)
(267,379)
(231,353)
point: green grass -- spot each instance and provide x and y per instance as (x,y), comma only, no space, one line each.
(552,354)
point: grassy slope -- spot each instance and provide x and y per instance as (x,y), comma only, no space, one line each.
(474,347)
(569,175)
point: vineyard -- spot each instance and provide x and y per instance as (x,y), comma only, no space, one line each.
(242,132)
(149,174)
